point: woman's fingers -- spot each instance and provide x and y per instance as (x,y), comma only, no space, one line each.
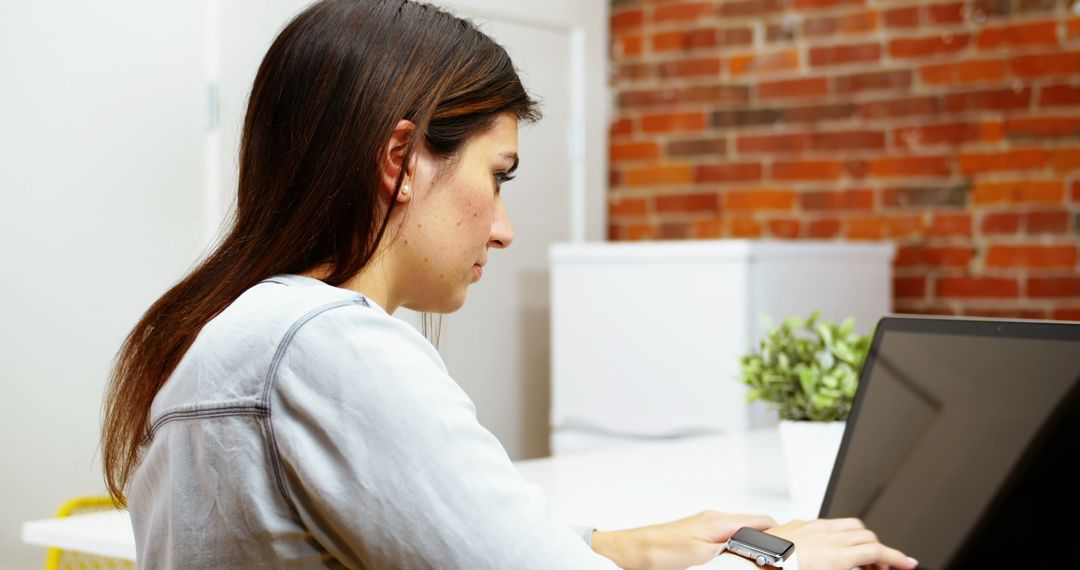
(877,553)
(850,523)
(856,537)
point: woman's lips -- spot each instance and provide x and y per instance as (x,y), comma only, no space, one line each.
(478,269)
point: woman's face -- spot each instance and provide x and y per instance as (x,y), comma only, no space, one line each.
(453,217)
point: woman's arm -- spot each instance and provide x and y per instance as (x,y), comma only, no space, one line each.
(381,455)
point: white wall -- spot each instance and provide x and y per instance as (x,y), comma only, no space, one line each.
(102,120)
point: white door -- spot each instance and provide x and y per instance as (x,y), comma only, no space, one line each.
(497,346)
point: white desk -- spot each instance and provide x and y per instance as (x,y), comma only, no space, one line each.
(619,488)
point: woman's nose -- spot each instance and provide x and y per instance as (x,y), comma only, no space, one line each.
(502,233)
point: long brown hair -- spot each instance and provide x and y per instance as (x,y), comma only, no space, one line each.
(326,99)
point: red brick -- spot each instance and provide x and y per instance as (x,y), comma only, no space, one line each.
(1018,35)
(622,126)
(933,46)
(744,227)
(902,17)
(711,147)
(1041,256)
(784,228)
(952,134)
(759,200)
(909,287)
(1000,313)
(977,287)
(809,87)
(1066,314)
(1046,222)
(1043,127)
(933,196)
(700,67)
(1001,223)
(781,143)
(1023,159)
(682,12)
(671,175)
(1045,64)
(879,227)
(675,230)
(964,72)
(947,13)
(919,255)
(910,166)
(848,24)
(712,228)
(808,170)
(847,140)
(677,40)
(728,172)
(615,232)
(900,107)
(873,81)
(627,19)
(989,100)
(948,225)
(623,151)
(743,64)
(629,45)
(823,229)
(690,203)
(673,122)
(837,200)
(640,231)
(712,94)
(1059,95)
(628,206)
(823,4)
(1018,192)
(1056,287)
(820,113)
(845,54)
(630,72)
(751,8)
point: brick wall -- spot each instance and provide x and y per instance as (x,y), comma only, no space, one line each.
(951,128)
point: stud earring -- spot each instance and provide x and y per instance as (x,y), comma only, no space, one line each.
(404,188)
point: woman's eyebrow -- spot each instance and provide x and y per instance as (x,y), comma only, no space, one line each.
(514,156)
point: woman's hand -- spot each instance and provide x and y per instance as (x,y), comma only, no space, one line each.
(840,544)
(676,545)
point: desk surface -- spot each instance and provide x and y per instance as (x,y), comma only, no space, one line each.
(620,488)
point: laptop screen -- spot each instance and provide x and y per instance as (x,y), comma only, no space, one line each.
(959,447)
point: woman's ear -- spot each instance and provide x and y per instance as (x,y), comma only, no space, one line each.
(393,163)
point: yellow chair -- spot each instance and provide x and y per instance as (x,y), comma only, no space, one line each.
(68,560)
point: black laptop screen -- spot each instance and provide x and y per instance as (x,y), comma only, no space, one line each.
(962,440)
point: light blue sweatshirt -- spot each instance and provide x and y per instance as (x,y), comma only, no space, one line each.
(307,428)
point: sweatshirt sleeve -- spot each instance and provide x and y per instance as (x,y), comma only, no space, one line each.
(380,452)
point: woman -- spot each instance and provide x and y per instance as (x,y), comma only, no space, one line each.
(300,424)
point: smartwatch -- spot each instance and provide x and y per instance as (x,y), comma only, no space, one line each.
(761,547)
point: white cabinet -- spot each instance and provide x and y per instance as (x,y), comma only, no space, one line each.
(646,337)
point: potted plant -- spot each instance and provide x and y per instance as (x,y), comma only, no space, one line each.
(809,369)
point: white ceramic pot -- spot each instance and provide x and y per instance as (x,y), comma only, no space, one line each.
(809,453)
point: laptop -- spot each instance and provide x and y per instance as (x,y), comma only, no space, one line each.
(961,445)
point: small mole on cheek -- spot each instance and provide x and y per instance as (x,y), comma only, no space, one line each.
(475,214)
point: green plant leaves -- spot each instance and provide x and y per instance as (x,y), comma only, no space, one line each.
(807,367)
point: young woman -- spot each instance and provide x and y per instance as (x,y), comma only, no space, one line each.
(268,411)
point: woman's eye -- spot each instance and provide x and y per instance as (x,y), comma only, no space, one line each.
(500,179)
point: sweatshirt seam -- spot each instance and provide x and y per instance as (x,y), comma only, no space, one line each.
(271,375)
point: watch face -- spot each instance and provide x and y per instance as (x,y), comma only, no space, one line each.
(764,541)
